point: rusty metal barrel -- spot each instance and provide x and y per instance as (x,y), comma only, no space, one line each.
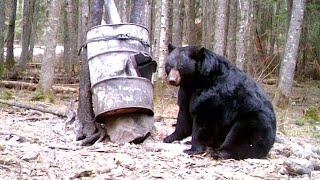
(116,87)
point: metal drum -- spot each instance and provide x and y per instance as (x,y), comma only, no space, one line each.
(114,90)
(122,95)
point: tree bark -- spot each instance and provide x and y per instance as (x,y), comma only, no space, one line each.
(124,9)
(70,34)
(220,27)
(177,22)
(289,4)
(243,31)
(112,12)
(275,24)
(88,130)
(190,17)
(47,66)
(205,15)
(10,37)
(2,18)
(95,13)
(36,14)
(28,7)
(163,40)
(156,30)
(66,38)
(83,21)
(288,64)
(138,12)
(170,20)
(232,31)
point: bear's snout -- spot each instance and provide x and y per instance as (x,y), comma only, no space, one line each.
(174,77)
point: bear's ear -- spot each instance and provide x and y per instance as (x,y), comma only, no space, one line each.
(171,47)
(198,54)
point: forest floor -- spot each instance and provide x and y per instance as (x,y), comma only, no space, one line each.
(36,145)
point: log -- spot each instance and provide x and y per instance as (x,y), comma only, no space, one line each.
(29,106)
(270,81)
(33,87)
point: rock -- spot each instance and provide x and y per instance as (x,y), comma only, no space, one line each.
(298,166)
(303,151)
(129,127)
(315,175)
(30,155)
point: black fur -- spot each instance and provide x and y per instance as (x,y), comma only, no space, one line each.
(220,106)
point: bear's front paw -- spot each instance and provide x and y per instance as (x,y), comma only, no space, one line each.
(220,155)
(170,138)
(195,150)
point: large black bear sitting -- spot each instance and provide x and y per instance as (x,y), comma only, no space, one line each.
(220,106)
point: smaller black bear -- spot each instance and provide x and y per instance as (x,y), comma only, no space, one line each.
(220,106)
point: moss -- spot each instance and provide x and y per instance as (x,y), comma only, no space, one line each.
(2,70)
(300,121)
(312,114)
(7,94)
(38,95)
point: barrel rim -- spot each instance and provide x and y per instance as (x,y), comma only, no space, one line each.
(118,24)
(128,109)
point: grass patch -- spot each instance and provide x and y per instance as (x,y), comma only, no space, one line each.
(312,114)
(6,95)
(42,96)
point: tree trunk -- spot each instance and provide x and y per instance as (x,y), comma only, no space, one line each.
(123,10)
(232,31)
(87,127)
(72,18)
(83,22)
(35,15)
(275,25)
(156,30)
(250,40)
(170,19)
(66,39)
(138,12)
(190,17)
(289,4)
(10,37)
(243,31)
(163,40)
(95,13)
(2,18)
(47,66)
(290,54)
(177,22)
(28,7)
(205,40)
(112,12)
(220,27)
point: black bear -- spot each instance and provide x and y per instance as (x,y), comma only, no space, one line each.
(220,106)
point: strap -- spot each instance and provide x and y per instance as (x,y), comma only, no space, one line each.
(118,37)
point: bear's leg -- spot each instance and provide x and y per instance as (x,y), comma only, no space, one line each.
(245,140)
(200,139)
(184,120)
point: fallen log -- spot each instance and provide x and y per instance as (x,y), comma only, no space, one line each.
(37,108)
(33,87)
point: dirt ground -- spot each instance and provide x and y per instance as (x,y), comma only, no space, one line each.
(35,145)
